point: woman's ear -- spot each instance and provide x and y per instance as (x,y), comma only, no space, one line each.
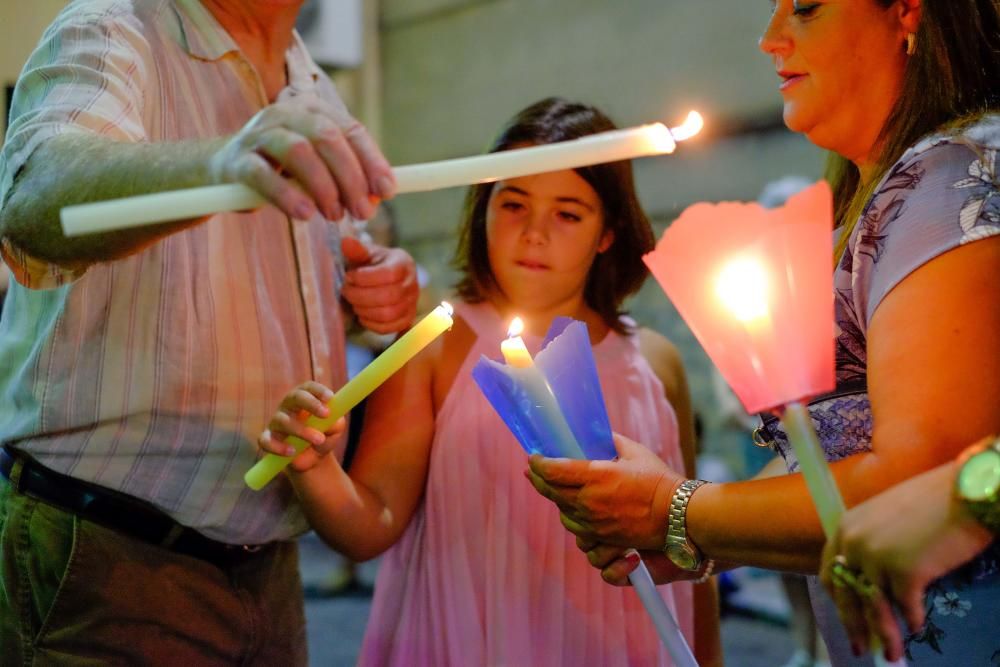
(607,239)
(909,13)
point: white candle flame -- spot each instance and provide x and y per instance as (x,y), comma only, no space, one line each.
(742,288)
(691,126)
(447,308)
(515,328)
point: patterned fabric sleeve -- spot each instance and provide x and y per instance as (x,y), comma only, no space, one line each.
(932,201)
(86,76)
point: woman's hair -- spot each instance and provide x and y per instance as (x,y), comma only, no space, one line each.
(953,77)
(618,271)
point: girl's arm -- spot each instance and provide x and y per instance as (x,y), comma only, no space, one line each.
(364,513)
(665,360)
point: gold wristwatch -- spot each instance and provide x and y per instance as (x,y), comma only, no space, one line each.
(977,484)
(678,548)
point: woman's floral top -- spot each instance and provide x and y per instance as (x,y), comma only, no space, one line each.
(943,192)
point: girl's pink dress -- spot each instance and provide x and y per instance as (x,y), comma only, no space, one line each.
(485,574)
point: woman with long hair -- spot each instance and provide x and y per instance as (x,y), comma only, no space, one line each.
(905,94)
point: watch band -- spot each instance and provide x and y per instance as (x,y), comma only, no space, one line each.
(677,537)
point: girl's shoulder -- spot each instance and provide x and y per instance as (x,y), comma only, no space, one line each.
(662,356)
(447,353)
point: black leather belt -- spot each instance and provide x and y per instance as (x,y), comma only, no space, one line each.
(120,512)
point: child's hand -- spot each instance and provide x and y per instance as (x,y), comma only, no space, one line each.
(307,400)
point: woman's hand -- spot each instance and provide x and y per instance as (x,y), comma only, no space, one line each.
(307,400)
(617,503)
(898,542)
(617,563)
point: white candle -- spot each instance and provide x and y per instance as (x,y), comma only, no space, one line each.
(522,368)
(625,144)
(513,349)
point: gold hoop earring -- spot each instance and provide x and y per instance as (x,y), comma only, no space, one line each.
(911,43)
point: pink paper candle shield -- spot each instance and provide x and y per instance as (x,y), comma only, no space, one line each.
(755,286)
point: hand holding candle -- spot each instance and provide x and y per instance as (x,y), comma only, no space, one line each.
(555,407)
(409,344)
(756,288)
(625,144)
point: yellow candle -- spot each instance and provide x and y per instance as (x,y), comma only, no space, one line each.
(378,371)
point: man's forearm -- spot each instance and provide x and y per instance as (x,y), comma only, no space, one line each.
(69,170)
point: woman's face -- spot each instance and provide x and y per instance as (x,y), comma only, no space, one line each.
(543,233)
(841,65)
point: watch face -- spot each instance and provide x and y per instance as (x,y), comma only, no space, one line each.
(681,557)
(979,478)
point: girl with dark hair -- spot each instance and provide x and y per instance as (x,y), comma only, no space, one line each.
(480,572)
(906,93)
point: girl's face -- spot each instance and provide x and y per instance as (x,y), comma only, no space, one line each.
(543,233)
(841,65)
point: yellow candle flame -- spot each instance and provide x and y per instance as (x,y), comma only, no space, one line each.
(691,126)
(515,328)
(742,288)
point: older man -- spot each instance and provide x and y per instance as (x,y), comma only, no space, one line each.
(137,367)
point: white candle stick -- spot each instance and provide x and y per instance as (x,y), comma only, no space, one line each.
(815,470)
(625,144)
(666,627)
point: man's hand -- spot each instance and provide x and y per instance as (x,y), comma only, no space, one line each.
(307,157)
(381,285)
(610,502)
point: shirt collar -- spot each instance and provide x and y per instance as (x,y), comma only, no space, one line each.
(201,34)
(204,37)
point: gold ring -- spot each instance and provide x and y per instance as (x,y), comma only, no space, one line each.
(757,436)
(844,576)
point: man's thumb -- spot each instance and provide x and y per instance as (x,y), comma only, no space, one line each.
(355,252)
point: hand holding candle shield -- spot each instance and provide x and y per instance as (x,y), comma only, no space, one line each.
(426,330)
(553,405)
(261,184)
(756,288)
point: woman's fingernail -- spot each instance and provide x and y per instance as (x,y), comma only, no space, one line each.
(632,557)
